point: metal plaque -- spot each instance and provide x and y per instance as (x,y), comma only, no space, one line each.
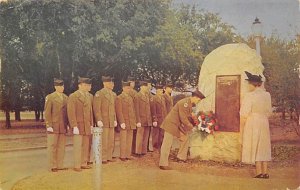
(228,102)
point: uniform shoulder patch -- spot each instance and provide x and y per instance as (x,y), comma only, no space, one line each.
(185,105)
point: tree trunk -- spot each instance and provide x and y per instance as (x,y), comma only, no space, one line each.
(42,116)
(17,115)
(283,114)
(37,115)
(8,124)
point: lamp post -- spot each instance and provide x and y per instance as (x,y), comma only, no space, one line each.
(257,31)
(97,150)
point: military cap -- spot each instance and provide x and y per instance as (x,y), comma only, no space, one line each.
(58,82)
(179,85)
(125,83)
(131,79)
(84,80)
(159,86)
(106,79)
(169,85)
(198,94)
(148,81)
(253,78)
(143,83)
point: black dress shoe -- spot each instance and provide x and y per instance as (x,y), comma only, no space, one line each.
(123,159)
(181,161)
(86,167)
(62,168)
(259,176)
(104,162)
(54,170)
(165,168)
(266,176)
(89,163)
(138,155)
(77,169)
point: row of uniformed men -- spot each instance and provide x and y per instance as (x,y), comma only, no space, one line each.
(131,109)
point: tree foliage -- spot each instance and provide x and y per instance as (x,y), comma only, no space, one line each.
(40,40)
(281,61)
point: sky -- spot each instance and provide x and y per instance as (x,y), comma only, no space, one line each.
(280,17)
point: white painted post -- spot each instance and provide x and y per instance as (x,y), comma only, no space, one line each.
(257,43)
(97,149)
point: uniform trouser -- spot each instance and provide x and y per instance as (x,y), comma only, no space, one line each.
(157,137)
(91,154)
(125,143)
(108,143)
(56,150)
(133,149)
(166,148)
(81,150)
(150,144)
(142,139)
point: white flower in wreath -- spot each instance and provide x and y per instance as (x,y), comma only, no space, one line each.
(199,118)
(207,130)
(200,125)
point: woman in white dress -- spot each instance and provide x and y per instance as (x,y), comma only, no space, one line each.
(255,109)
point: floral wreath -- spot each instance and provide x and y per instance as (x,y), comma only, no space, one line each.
(205,122)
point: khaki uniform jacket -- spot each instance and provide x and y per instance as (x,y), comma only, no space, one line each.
(125,110)
(80,111)
(169,102)
(104,107)
(178,118)
(133,93)
(158,108)
(56,112)
(142,109)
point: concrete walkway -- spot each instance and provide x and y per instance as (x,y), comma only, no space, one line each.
(20,136)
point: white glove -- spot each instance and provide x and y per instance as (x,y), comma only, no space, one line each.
(115,123)
(75,131)
(50,129)
(99,124)
(154,124)
(123,126)
(138,125)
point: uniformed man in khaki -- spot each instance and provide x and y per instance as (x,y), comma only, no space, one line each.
(105,115)
(80,116)
(168,97)
(127,120)
(144,120)
(132,93)
(159,112)
(175,124)
(151,94)
(56,123)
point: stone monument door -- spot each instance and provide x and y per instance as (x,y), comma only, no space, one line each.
(228,102)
